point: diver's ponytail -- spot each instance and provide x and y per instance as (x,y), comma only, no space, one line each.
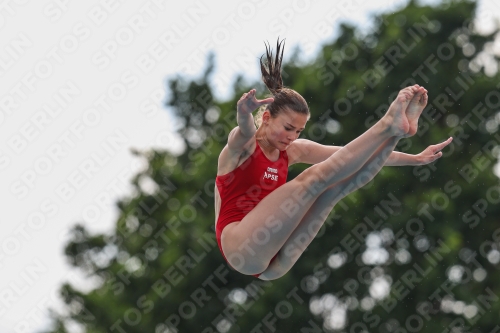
(258,115)
(284,98)
(271,73)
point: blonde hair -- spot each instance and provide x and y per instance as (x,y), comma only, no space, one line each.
(284,98)
(258,115)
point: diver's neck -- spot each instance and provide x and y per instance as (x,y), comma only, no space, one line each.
(264,143)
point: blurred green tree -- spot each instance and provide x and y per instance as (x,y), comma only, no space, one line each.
(416,250)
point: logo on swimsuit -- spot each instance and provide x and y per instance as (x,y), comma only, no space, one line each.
(270,176)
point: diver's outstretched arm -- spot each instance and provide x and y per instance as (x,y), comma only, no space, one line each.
(310,152)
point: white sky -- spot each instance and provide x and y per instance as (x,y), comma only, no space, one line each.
(74,98)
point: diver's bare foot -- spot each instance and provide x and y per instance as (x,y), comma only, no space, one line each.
(415,108)
(396,119)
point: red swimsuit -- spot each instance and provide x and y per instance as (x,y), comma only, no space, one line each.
(243,188)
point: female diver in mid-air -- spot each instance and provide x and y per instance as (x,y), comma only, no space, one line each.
(263,223)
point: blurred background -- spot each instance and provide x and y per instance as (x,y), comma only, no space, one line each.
(112,116)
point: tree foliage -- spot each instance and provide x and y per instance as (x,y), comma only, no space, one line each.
(429,233)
